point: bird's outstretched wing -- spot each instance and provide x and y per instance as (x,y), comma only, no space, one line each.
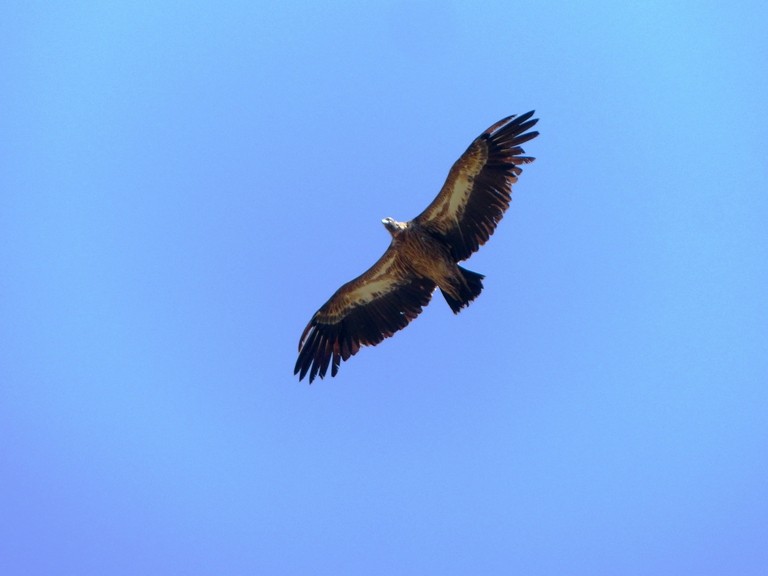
(478,189)
(362,312)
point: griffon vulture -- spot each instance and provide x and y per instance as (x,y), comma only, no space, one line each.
(424,253)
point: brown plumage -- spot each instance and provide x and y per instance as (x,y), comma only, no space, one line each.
(424,254)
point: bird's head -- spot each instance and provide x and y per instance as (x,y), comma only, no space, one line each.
(393,226)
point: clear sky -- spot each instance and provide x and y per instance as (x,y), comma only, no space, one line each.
(182,184)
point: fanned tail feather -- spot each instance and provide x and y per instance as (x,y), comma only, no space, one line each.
(469,290)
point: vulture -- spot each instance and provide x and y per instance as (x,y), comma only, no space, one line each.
(424,253)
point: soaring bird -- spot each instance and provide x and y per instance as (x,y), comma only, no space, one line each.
(424,253)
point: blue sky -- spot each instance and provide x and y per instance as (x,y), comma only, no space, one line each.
(184,184)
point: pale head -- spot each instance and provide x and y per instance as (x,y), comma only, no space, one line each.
(393,226)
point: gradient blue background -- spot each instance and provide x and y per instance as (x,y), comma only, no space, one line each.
(182,184)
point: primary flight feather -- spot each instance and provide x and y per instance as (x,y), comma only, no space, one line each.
(424,253)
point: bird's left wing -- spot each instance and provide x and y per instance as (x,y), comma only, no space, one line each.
(362,312)
(478,189)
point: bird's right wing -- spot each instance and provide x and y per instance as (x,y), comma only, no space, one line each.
(362,312)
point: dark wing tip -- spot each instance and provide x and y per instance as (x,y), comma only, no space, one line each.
(521,123)
(496,125)
(523,117)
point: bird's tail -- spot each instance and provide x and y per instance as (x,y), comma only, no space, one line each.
(467,290)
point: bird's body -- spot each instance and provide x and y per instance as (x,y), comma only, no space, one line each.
(424,253)
(420,253)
